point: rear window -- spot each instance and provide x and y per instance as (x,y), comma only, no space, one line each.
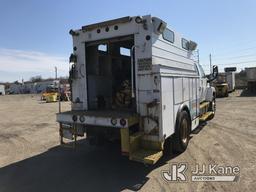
(184,43)
(124,51)
(103,47)
(168,35)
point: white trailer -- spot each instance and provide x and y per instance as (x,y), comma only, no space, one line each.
(136,80)
(251,78)
(230,77)
(2,90)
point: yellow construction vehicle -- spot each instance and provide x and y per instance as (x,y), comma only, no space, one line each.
(221,85)
(50,94)
(52,97)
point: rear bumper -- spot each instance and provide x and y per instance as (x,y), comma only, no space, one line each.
(98,118)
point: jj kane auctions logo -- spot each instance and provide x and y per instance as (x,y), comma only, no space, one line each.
(178,173)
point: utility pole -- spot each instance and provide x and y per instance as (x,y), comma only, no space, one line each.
(210,57)
(59,92)
(56,73)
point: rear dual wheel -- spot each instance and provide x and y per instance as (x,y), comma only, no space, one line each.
(179,141)
(181,136)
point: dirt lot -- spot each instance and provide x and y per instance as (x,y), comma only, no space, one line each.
(32,160)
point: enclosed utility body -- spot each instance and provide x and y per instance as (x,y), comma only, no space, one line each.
(135,80)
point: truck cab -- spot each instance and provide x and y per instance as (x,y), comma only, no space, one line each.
(136,80)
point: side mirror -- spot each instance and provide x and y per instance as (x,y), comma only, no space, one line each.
(214,74)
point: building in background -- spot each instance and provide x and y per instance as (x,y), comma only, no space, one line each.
(241,81)
(32,87)
(43,85)
(251,79)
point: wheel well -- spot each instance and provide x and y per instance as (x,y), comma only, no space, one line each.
(187,110)
(183,108)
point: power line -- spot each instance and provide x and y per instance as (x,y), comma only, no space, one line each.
(236,63)
(231,56)
(234,57)
(238,50)
(244,42)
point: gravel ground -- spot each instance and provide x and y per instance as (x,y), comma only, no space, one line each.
(32,160)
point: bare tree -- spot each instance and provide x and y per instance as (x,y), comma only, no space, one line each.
(37,78)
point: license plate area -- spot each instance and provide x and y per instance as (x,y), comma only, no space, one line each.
(67,132)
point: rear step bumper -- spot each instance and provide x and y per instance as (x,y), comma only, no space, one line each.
(144,151)
(136,146)
(146,156)
(99,118)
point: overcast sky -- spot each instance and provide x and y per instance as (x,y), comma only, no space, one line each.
(34,33)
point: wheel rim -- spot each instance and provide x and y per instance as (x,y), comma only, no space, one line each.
(184,128)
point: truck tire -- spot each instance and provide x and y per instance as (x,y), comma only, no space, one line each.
(168,147)
(226,94)
(182,131)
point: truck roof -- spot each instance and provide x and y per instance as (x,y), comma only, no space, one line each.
(113,23)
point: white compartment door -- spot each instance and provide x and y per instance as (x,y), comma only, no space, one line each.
(167,106)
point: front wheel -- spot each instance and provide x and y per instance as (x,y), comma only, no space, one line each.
(226,94)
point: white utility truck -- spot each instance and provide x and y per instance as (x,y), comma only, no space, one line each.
(136,81)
